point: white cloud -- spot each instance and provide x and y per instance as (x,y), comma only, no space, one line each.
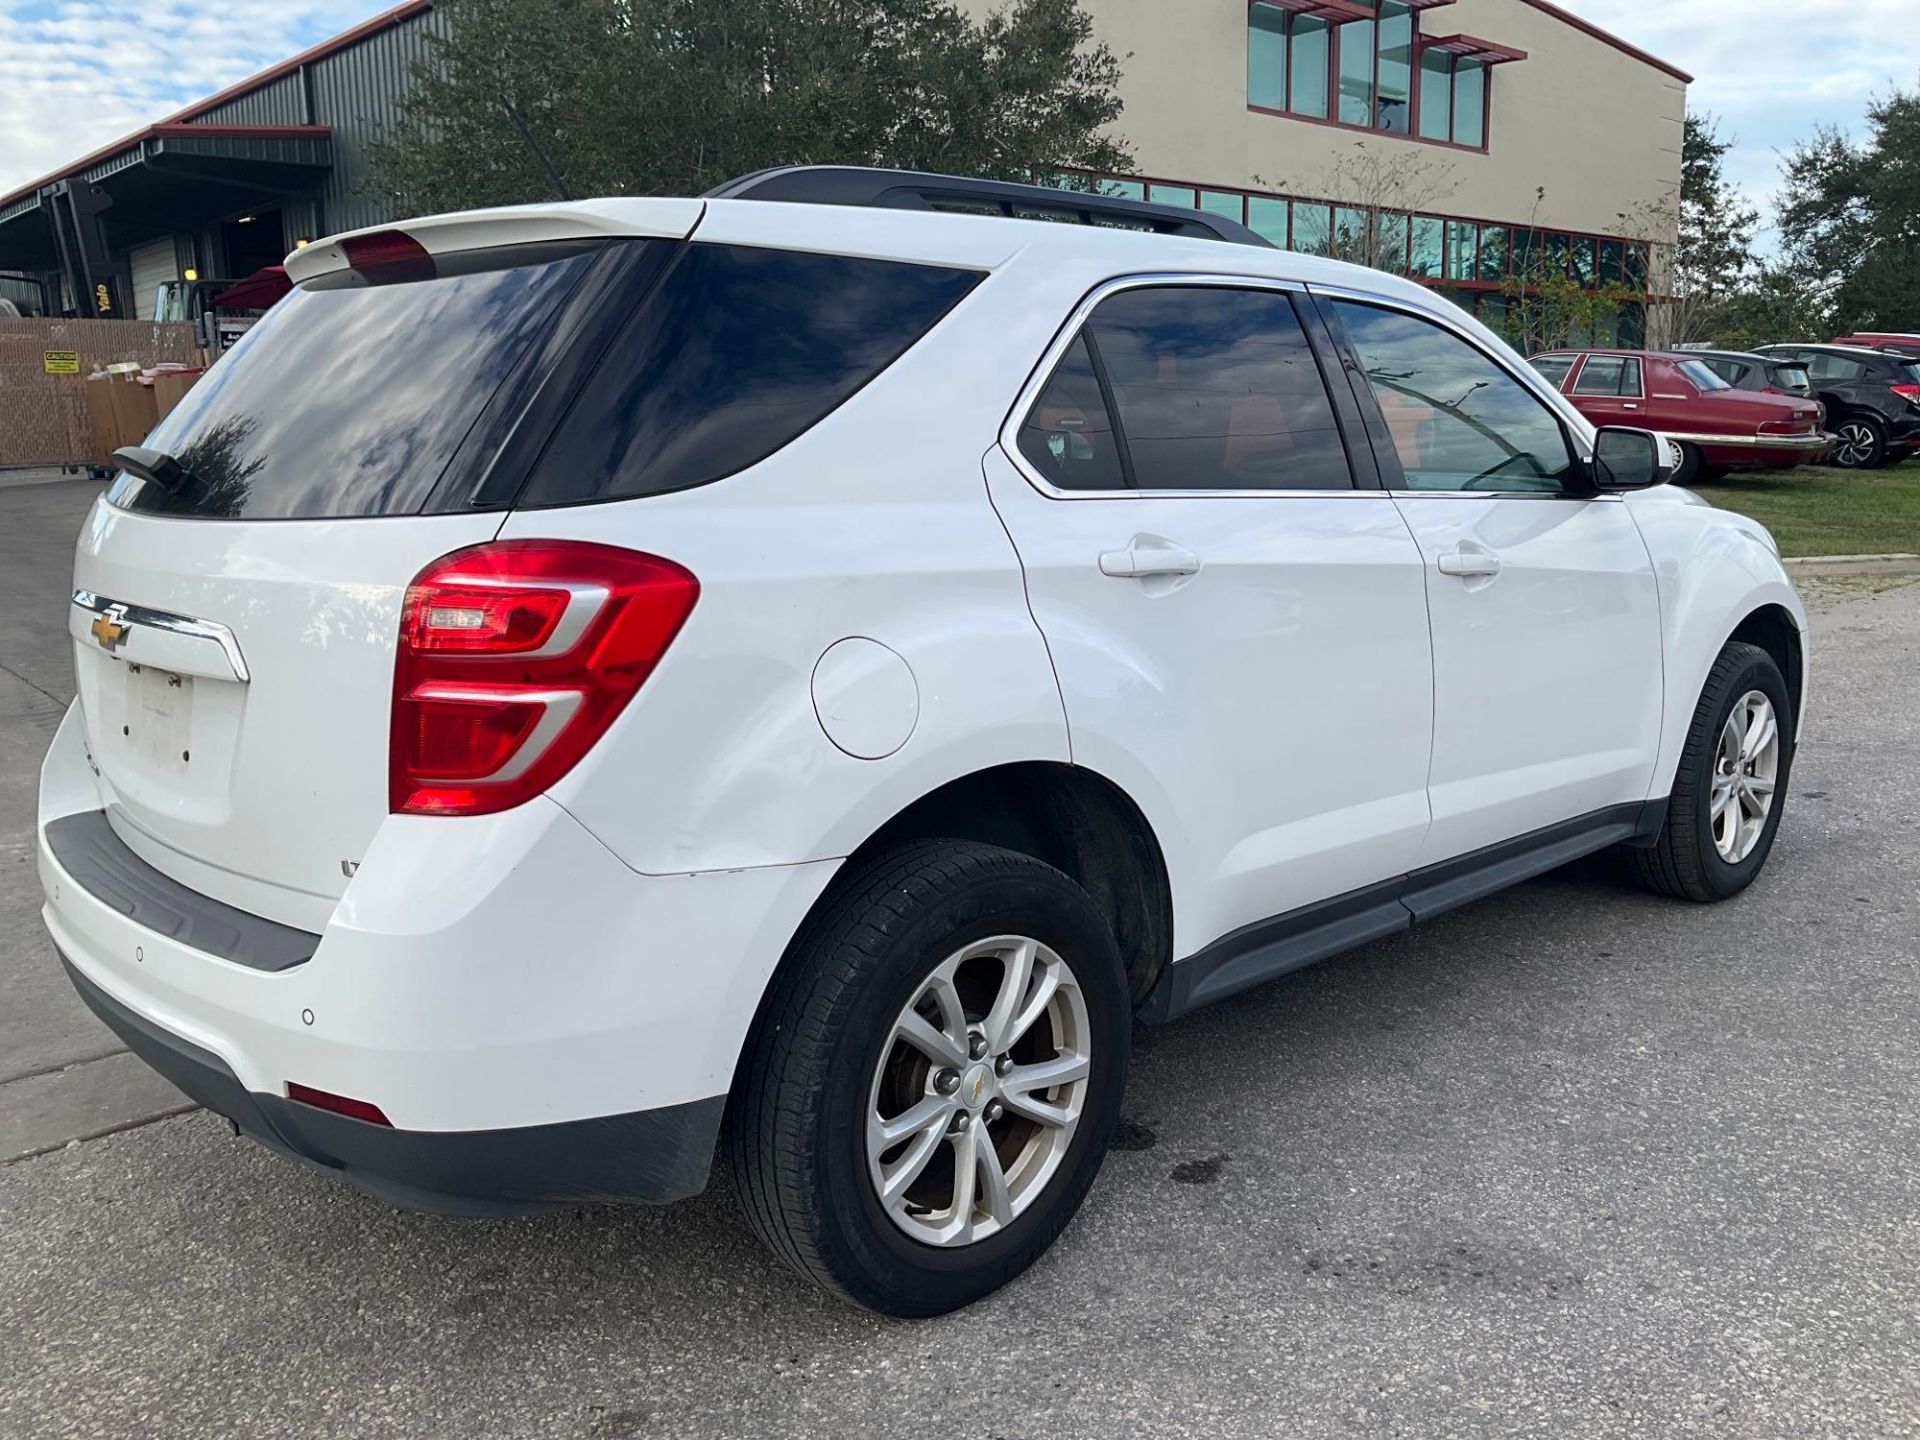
(79,74)
(1773,70)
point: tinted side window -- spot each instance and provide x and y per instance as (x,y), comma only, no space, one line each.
(738,351)
(1608,375)
(1067,435)
(1217,389)
(1829,369)
(1458,420)
(1553,367)
(1731,371)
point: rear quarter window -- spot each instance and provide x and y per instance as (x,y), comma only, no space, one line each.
(737,352)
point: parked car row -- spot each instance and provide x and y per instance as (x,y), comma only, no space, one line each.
(1853,405)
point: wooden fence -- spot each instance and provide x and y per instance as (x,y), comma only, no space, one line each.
(43,414)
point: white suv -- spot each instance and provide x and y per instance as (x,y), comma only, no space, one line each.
(585,689)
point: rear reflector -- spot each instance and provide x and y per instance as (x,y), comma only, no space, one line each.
(514,658)
(338,1104)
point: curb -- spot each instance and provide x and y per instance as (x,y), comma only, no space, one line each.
(1824,567)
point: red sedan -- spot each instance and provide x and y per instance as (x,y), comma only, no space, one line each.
(1717,427)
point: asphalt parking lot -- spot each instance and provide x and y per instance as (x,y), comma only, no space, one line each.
(1571,1162)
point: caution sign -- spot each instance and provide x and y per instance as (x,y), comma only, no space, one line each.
(62,362)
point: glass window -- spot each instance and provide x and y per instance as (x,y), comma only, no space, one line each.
(1356,73)
(1612,262)
(1637,266)
(1219,202)
(1463,250)
(1553,367)
(1311,56)
(1436,95)
(1429,241)
(1583,266)
(1830,369)
(1123,189)
(1352,229)
(1702,376)
(1795,380)
(1267,217)
(409,367)
(1174,195)
(1391,248)
(738,350)
(1312,228)
(1267,56)
(1493,252)
(1458,421)
(1608,375)
(1556,256)
(1469,103)
(1731,371)
(1526,255)
(1217,389)
(1394,100)
(1068,435)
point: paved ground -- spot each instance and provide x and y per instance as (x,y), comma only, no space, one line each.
(1572,1162)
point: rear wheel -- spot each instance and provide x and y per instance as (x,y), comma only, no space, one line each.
(1731,786)
(1860,443)
(1687,469)
(934,1079)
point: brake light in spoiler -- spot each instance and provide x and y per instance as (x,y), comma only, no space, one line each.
(388,255)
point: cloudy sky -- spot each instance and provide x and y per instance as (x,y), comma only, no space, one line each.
(76,74)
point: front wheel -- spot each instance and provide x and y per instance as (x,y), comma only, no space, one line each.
(934,1078)
(1731,786)
(1687,465)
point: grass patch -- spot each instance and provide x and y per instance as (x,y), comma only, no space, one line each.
(1815,510)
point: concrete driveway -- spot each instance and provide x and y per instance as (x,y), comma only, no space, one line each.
(1571,1162)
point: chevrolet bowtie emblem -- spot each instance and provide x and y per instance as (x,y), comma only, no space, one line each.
(109,631)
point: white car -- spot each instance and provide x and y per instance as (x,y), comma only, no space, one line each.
(584,690)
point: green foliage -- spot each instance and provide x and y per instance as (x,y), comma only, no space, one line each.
(1717,225)
(1850,219)
(634,97)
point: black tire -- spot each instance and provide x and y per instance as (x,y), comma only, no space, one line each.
(1687,472)
(1863,440)
(1685,863)
(796,1137)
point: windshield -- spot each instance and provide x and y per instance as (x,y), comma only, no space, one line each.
(1701,376)
(350,401)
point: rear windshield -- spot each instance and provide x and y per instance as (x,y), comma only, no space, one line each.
(737,352)
(1792,377)
(350,402)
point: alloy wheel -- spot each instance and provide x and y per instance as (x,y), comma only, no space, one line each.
(1745,775)
(1855,447)
(978,1090)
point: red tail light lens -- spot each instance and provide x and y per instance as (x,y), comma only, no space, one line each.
(514,658)
(1908,393)
(388,256)
(339,1104)
(1800,426)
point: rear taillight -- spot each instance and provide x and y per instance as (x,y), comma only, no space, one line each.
(1908,393)
(1798,426)
(388,257)
(514,659)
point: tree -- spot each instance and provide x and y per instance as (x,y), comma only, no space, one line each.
(1378,192)
(1850,218)
(629,97)
(1714,252)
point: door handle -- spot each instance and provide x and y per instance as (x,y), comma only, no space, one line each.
(1469,563)
(1145,558)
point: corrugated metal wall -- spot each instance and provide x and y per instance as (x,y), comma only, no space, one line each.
(358,93)
(281,103)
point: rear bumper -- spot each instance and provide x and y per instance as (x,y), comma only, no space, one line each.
(649,1156)
(540,1024)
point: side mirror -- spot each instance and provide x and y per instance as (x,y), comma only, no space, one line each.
(1628,459)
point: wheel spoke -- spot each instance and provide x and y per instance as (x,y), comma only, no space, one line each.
(1018,1087)
(1014,981)
(907,1169)
(1730,734)
(1760,785)
(993,1180)
(884,1134)
(1041,997)
(966,1178)
(1759,736)
(948,1042)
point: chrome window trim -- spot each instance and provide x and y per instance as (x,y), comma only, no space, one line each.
(1042,372)
(1578,428)
(166,620)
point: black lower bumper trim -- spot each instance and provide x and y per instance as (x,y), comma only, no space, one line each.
(646,1157)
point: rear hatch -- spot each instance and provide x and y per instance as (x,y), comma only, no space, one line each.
(235,627)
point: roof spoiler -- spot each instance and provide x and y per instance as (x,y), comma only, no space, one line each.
(917,190)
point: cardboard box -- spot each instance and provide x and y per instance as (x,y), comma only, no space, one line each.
(119,412)
(168,388)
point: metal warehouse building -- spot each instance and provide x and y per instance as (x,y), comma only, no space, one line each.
(1504,138)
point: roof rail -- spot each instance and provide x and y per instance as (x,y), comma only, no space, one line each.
(915,190)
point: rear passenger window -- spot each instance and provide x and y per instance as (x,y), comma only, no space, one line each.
(1835,369)
(737,352)
(1608,375)
(1217,389)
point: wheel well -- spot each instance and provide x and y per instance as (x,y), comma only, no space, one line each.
(1075,821)
(1772,629)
